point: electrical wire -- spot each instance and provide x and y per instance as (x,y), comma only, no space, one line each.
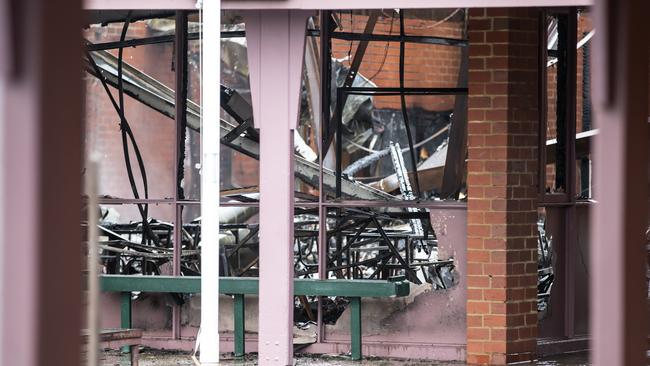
(403,102)
(383,60)
(127,134)
(371,151)
(351,42)
(98,74)
(444,20)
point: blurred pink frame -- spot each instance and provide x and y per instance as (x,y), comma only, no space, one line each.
(619,319)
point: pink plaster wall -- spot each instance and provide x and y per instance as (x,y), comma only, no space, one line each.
(433,326)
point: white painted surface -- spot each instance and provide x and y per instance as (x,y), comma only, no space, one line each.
(210,101)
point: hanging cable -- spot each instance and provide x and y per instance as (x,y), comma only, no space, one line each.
(383,60)
(387,150)
(444,20)
(126,132)
(351,42)
(98,74)
(403,101)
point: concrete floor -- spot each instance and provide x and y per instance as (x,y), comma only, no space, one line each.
(159,358)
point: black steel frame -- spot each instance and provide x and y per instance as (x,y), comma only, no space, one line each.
(566,109)
(341,97)
(564,202)
(347,36)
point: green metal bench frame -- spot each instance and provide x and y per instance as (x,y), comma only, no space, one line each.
(241,286)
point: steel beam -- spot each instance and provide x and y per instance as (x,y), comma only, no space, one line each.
(455,163)
(367,37)
(348,82)
(180,117)
(355,327)
(276,41)
(324,113)
(240,324)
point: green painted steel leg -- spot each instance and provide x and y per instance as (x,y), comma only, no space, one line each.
(125,315)
(240,339)
(125,310)
(355,327)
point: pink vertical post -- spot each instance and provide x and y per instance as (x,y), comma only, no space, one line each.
(41,125)
(619,320)
(276,41)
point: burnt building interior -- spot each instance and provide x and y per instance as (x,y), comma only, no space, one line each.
(382,122)
(278,182)
(379,132)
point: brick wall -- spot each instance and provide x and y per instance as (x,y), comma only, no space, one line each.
(502,167)
(424,65)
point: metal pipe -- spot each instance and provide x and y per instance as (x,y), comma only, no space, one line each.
(180,63)
(210,84)
(325,73)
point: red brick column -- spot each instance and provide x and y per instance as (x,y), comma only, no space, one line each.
(502,178)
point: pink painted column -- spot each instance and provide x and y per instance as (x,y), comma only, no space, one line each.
(619,321)
(40,240)
(275,55)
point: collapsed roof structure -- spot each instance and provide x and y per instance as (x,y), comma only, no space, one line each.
(365,243)
(373,239)
(526,123)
